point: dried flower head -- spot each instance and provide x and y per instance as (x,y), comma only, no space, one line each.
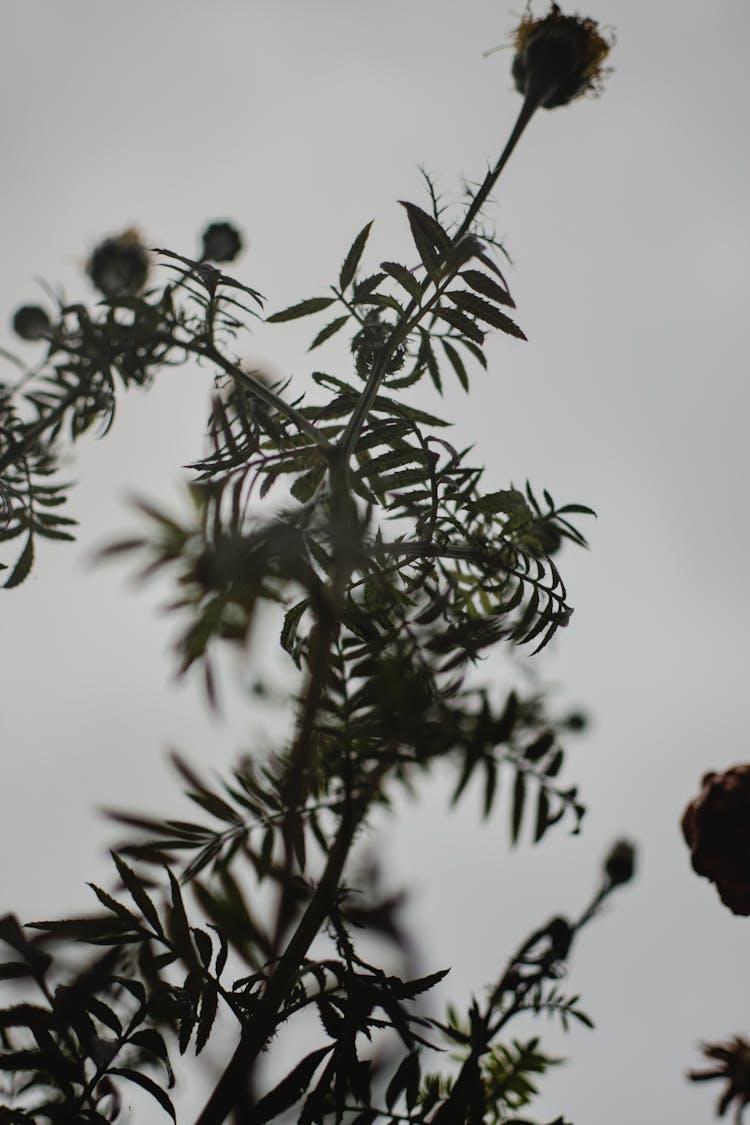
(119,265)
(716,826)
(31,322)
(222,242)
(733,1058)
(558,58)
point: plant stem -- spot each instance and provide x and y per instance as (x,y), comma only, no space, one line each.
(530,104)
(260,1028)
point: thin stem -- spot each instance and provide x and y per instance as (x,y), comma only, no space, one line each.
(257,1032)
(530,105)
(265,394)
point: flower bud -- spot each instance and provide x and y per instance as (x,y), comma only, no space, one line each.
(119,265)
(716,827)
(619,866)
(31,322)
(557,58)
(222,242)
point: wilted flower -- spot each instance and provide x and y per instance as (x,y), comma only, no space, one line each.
(558,58)
(733,1058)
(222,242)
(619,866)
(716,826)
(119,265)
(31,322)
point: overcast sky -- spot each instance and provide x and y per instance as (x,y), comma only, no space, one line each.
(627,222)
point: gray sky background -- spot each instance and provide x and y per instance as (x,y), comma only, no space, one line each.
(627,221)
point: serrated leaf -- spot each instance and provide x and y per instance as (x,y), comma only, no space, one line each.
(206,1017)
(204,945)
(462,323)
(540,746)
(553,766)
(104,1013)
(146,1084)
(120,911)
(179,928)
(365,287)
(349,268)
(150,1040)
(329,330)
(507,500)
(303,308)
(483,310)
(405,278)
(431,241)
(517,806)
(290,1089)
(23,565)
(487,287)
(456,363)
(332,1021)
(406,1079)
(542,815)
(138,893)
(408,989)
(292,619)
(490,785)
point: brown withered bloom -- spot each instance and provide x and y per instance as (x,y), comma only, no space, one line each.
(119,265)
(558,58)
(733,1058)
(716,826)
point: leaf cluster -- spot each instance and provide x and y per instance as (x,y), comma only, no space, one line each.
(393,569)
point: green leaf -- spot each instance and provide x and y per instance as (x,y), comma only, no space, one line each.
(329,330)
(519,800)
(292,619)
(138,893)
(406,1079)
(149,1039)
(146,1084)
(456,363)
(352,259)
(408,989)
(405,278)
(487,287)
(365,287)
(116,907)
(209,1004)
(462,323)
(431,241)
(23,564)
(290,1089)
(483,310)
(304,308)
(542,815)
(507,500)
(179,929)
